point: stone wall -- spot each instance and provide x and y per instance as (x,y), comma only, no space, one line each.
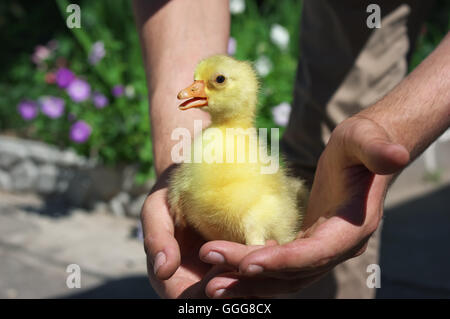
(31,166)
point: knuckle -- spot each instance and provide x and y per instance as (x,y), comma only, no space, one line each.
(343,135)
(350,130)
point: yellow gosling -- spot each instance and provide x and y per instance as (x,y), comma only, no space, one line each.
(226,200)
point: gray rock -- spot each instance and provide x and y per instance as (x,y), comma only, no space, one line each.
(5,181)
(134,206)
(14,146)
(78,188)
(62,185)
(42,153)
(7,160)
(128,177)
(65,176)
(100,207)
(35,166)
(119,203)
(106,182)
(140,189)
(38,151)
(90,185)
(70,158)
(47,179)
(24,175)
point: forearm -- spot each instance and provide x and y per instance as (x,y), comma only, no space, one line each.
(174,37)
(417,111)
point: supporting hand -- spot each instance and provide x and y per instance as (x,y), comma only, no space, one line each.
(345,208)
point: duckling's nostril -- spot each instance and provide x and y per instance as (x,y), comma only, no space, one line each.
(182,95)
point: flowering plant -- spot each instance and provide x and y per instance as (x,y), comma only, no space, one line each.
(267,34)
(85,88)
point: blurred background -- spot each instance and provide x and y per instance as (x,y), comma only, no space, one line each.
(76,155)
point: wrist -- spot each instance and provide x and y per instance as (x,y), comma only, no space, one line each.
(165,117)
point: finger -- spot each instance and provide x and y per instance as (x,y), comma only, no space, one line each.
(232,285)
(231,254)
(226,252)
(332,242)
(163,252)
(382,157)
(368,143)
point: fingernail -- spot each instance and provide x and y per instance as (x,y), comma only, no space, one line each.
(214,258)
(219,293)
(160,260)
(254,269)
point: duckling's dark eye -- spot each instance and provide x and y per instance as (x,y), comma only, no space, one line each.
(220,79)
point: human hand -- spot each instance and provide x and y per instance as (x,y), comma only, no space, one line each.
(173,265)
(344,209)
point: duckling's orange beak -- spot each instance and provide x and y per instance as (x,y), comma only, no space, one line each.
(196,95)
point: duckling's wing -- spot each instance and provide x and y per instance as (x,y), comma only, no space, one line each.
(175,193)
(177,215)
(298,187)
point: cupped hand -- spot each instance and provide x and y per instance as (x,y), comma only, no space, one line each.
(173,265)
(344,209)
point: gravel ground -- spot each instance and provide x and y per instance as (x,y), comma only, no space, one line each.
(40,237)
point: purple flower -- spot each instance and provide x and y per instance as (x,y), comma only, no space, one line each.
(118,90)
(231,46)
(97,52)
(79,90)
(80,132)
(64,77)
(28,109)
(99,100)
(52,106)
(41,53)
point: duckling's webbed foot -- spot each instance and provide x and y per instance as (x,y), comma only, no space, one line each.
(255,239)
(254,229)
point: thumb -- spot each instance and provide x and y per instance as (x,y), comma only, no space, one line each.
(162,249)
(368,143)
